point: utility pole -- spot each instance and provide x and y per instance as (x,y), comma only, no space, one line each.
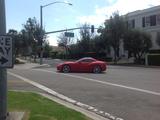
(3,71)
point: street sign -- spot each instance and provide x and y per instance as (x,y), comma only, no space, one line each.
(6,52)
(69,34)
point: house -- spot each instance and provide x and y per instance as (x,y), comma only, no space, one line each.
(147,20)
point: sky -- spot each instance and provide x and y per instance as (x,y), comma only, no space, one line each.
(61,16)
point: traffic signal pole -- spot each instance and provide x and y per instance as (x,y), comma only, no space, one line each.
(3,71)
(92,29)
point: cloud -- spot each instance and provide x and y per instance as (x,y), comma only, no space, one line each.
(123,6)
(92,19)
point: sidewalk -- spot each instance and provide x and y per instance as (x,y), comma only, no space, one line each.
(28,65)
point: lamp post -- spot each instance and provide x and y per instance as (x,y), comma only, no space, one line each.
(41,25)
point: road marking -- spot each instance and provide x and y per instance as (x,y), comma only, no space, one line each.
(43,88)
(102,82)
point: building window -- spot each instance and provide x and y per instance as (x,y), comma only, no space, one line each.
(158,19)
(153,20)
(143,22)
(147,21)
(131,23)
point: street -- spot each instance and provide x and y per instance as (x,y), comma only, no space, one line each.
(131,93)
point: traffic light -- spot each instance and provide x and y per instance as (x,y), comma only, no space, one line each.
(92,28)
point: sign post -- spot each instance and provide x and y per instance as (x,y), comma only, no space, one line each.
(5,61)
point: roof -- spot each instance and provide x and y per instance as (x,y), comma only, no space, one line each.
(151,9)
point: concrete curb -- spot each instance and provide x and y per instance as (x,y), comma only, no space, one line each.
(75,107)
(87,110)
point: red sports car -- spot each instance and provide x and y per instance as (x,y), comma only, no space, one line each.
(86,64)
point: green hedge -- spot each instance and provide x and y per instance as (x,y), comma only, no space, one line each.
(154,59)
(154,51)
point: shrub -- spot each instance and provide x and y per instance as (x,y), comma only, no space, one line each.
(154,51)
(154,59)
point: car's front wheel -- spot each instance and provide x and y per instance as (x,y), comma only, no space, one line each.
(97,69)
(66,69)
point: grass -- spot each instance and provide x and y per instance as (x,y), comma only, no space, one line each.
(40,108)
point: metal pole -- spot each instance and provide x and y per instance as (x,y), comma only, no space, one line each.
(41,21)
(3,71)
(41,42)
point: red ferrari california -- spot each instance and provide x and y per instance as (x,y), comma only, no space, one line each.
(86,64)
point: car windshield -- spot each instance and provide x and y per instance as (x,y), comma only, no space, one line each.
(86,60)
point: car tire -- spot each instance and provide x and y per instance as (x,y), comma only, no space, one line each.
(66,69)
(97,69)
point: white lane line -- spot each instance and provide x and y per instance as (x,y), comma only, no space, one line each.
(42,87)
(106,83)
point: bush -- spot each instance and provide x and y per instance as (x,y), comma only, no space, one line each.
(140,61)
(107,59)
(154,59)
(154,51)
(61,55)
(53,55)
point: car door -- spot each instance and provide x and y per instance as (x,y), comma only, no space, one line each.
(84,65)
(76,67)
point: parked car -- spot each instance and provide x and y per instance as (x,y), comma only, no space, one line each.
(86,64)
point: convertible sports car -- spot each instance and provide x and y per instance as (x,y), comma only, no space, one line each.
(86,64)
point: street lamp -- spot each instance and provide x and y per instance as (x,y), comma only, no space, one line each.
(41,25)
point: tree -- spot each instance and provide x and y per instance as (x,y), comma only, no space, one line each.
(85,38)
(103,41)
(17,40)
(74,51)
(25,44)
(47,49)
(64,41)
(98,44)
(34,35)
(115,28)
(137,43)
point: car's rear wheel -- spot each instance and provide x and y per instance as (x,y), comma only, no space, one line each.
(97,69)
(66,69)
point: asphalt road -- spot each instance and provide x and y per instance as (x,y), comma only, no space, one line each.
(132,93)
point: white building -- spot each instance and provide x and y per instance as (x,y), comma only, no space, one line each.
(147,20)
